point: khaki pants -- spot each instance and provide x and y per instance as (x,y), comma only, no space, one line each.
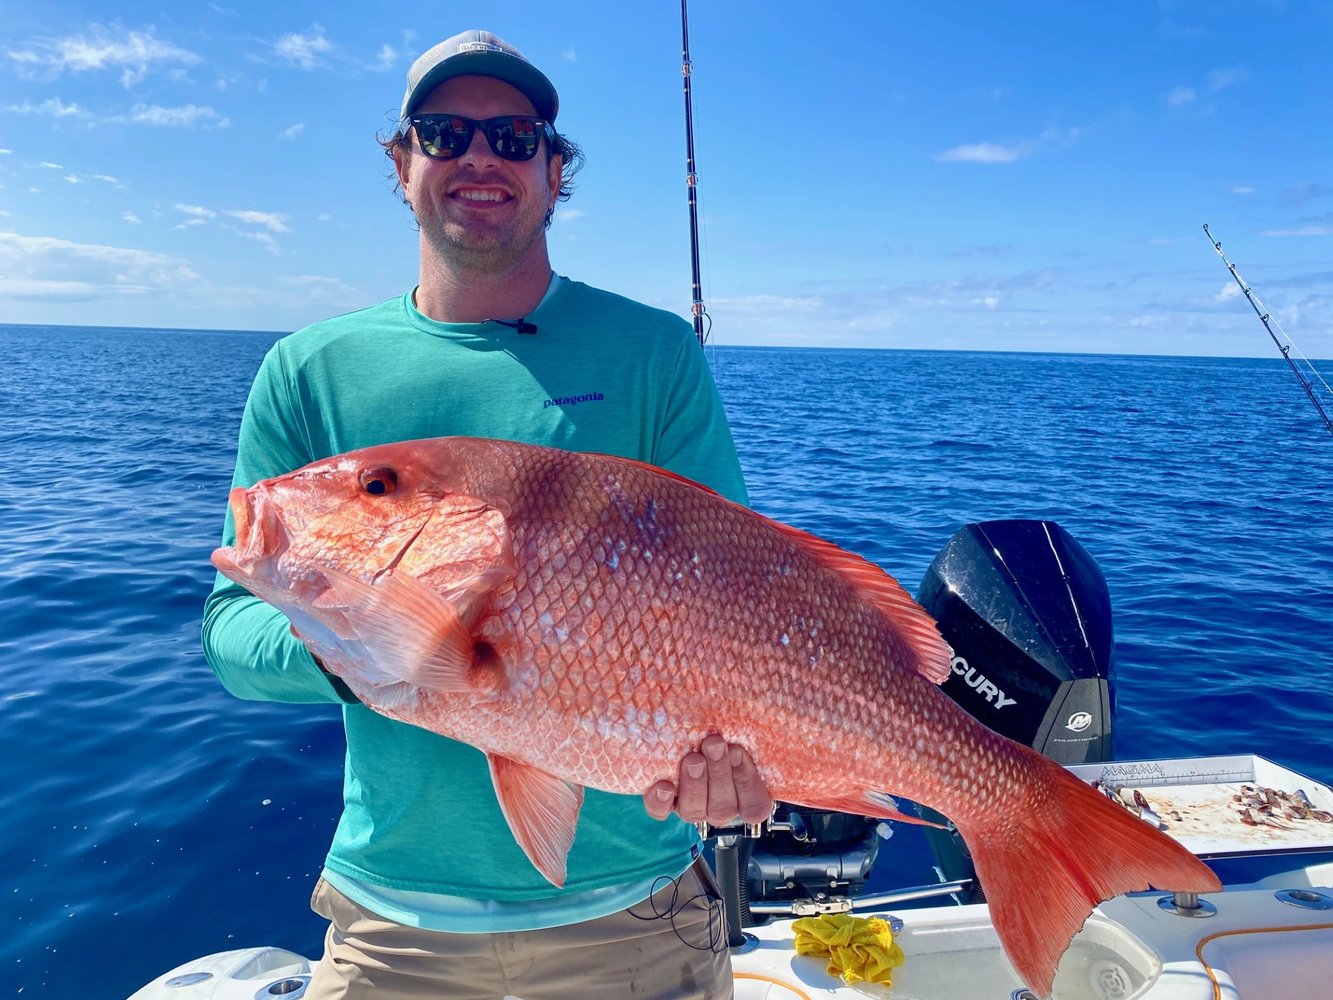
(684,957)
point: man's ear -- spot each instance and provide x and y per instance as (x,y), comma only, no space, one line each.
(402,160)
(554,169)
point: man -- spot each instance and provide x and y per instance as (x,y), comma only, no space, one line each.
(425,891)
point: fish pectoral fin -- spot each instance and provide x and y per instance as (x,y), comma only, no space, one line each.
(542,811)
(414,634)
(876,804)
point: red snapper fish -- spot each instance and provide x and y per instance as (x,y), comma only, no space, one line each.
(586,620)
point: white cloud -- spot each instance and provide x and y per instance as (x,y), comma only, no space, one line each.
(267,241)
(291,132)
(1147,320)
(73,179)
(994,152)
(848,318)
(270,220)
(134,53)
(322,288)
(108,179)
(323,217)
(1069,134)
(1221,79)
(1180,96)
(50,166)
(304,50)
(1229,291)
(196,212)
(984,152)
(54,106)
(1299,231)
(46,268)
(385,57)
(131,217)
(769,303)
(570,54)
(5,152)
(563,214)
(1241,189)
(186,116)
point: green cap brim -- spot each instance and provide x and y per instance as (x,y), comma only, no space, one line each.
(519,74)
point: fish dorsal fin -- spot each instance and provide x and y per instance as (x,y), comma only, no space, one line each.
(876,587)
(542,812)
(657,470)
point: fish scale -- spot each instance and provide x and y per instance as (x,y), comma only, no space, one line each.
(586,620)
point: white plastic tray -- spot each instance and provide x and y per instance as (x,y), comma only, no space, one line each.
(1195,797)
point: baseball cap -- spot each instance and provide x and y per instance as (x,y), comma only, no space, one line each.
(479,53)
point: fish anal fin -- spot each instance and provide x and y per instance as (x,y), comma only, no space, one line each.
(875,804)
(542,812)
(876,587)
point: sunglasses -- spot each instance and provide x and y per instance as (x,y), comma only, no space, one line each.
(512,137)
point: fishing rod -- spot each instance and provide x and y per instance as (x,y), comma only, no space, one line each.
(1284,348)
(691,183)
(731,875)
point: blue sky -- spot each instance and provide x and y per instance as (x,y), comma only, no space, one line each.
(974,175)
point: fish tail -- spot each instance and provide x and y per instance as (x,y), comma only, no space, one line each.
(1053,855)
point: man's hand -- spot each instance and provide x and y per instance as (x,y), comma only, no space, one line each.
(718,785)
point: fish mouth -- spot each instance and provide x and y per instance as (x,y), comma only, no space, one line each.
(260,535)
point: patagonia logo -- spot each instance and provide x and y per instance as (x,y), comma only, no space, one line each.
(587,397)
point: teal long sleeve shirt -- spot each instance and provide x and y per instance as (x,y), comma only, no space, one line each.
(601,373)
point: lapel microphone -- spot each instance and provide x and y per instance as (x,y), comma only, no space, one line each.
(520,324)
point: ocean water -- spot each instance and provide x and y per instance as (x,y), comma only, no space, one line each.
(150,818)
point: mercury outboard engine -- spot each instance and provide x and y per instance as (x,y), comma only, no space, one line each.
(1028,616)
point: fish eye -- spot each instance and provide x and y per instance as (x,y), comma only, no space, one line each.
(378,482)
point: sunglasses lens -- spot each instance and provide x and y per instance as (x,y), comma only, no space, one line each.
(444,137)
(513,138)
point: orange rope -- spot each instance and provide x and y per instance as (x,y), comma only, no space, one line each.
(1198,949)
(776,982)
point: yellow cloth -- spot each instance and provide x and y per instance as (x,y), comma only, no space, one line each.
(857,947)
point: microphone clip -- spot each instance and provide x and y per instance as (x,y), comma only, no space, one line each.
(521,324)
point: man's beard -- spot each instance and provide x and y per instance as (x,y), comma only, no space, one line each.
(493,252)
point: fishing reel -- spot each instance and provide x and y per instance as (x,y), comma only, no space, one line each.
(801,862)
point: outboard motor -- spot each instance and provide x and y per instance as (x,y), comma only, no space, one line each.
(1028,616)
